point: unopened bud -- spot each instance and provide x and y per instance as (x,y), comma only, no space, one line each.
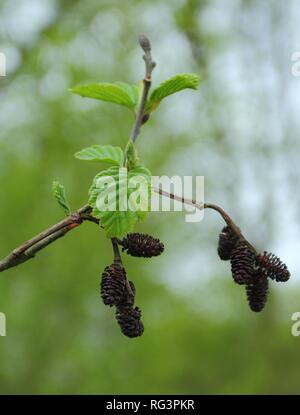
(144,42)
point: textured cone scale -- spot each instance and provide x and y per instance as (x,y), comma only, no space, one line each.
(227,241)
(242,263)
(141,245)
(128,295)
(257,292)
(129,321)
(273,267)
(113,284)
(132,287)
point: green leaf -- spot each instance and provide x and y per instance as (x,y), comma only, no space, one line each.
(118,222)
(131,90)
(118,93)
(132,156)
(60,196)
(105,153)
(175,84)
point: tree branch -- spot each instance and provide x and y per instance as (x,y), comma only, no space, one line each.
(29,248)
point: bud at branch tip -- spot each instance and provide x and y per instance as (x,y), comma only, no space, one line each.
(144,43)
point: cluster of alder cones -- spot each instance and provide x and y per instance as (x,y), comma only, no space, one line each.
(116,290)
(250,268)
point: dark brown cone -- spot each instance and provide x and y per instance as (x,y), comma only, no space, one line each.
(113,284)
(129,320)
(257,292)
(141,245)
(273,267)
(128,295)
(242,263)
(227,241)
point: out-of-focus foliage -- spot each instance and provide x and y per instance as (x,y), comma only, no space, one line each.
(240,131)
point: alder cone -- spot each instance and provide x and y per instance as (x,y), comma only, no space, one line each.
(257,292)
(142,245)
(273,267)
(242,263)
(113,284)
(128,296)
(227,241)
(129,320)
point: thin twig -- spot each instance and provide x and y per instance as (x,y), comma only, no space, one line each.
(115,245)
(150,65)
(179,199)
(202,206)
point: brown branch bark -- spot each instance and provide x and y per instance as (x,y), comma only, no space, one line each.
(212,206)
(29,248)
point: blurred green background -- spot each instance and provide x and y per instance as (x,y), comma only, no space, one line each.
(240,131)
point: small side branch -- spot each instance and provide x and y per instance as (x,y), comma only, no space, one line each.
(115,245)
(202,206)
